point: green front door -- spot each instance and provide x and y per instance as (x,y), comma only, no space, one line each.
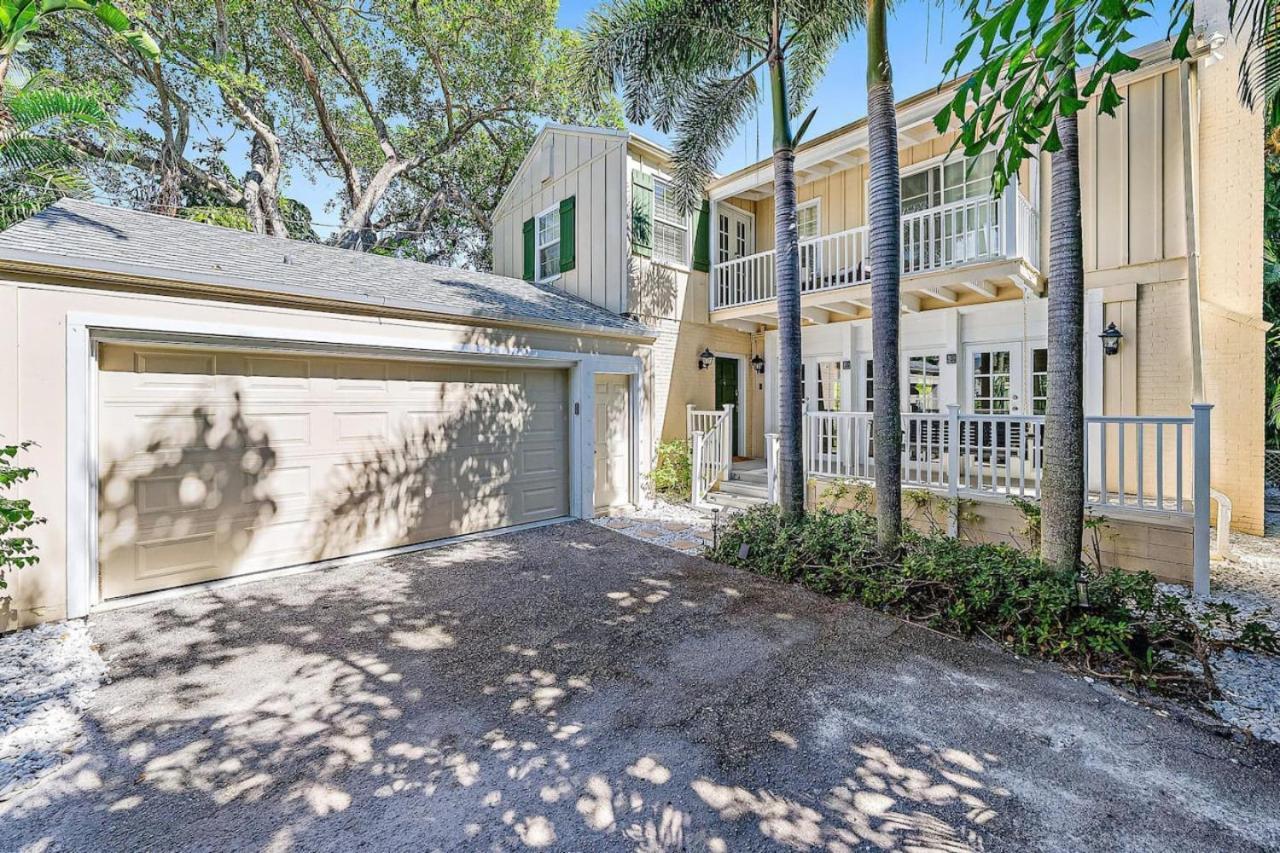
(727,392)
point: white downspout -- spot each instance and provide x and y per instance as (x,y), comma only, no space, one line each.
(1189,79)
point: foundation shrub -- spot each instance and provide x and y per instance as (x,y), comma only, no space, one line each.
(672,474)
(1128,630)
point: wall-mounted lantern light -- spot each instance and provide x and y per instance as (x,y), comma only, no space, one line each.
(705,358)
(757,364)
(1111,339)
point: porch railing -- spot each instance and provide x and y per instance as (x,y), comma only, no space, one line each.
(950,235)
(1154,465)
(711,447)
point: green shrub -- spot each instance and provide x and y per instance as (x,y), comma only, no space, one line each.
(1129,631)
(672,474)
(17,550)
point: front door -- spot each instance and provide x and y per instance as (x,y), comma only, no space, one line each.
(613,441)
(727,393)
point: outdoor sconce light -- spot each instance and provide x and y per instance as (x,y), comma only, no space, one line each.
(705,358)
(757,363)
(1111,339)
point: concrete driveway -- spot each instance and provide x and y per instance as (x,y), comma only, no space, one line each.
(572,689)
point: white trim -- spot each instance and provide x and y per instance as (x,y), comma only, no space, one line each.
(318,566)
(85,329)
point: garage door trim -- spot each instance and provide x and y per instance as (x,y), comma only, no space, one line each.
(86,330)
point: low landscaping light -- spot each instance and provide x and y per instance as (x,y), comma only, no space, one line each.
(1082,590)
(757,363)
(705,358)
(1111,339)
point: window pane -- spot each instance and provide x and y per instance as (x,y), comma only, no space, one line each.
(668,242)
(807,222)
(664,206)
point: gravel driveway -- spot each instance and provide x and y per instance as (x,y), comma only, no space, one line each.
(573,689)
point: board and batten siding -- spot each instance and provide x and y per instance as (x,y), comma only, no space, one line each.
(589,167)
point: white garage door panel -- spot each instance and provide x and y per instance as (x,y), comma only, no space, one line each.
(217,464)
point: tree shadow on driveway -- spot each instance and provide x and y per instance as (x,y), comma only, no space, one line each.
(568,688)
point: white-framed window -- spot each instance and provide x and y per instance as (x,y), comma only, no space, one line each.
(924,384)
(670,226)
(547,243)
(808,220)
(1039,380)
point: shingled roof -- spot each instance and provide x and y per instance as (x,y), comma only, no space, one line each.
(82,236)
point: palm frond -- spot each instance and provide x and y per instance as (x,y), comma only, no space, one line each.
(33,152)
(1257,24)
(33,107)
(822,26)
(707,124)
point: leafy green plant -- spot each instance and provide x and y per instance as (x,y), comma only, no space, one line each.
(17,550)
(672,475)
(1131,631)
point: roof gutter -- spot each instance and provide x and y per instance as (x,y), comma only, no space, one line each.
(97,271)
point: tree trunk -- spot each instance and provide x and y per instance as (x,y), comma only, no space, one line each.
(1062,484)
(791,480)
(885,216)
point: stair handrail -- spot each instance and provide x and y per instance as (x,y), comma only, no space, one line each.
(712,455)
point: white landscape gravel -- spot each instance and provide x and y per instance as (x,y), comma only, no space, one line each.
(48,675)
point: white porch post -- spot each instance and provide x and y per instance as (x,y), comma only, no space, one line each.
(729,433)
(688,421)
(771,466)
(697,489)
(1009,215)
(1200,487)
(713,255)
(953,471)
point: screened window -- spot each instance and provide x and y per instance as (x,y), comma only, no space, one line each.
(548,244)
(670,226)
(1039,380)
(924,375)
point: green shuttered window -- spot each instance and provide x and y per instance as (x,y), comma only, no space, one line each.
(568,249)
(528,250)
(702,239)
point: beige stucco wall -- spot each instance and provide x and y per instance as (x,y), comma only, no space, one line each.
(33,387)
(590,167)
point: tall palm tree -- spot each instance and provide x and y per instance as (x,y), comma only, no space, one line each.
(884,217)
(690,66)
(38,165)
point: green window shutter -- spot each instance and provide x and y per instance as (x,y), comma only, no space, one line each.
(528,250)
(568,251)
(702,239)
(641,213)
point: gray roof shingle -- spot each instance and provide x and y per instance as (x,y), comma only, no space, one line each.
(80,235)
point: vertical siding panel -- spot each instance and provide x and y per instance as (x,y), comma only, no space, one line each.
(616,165)
(1146,208)
(1088,186)
(1112,187)
(595,250)
(833,217)
(1175,233)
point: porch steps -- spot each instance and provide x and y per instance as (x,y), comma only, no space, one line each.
(745,488)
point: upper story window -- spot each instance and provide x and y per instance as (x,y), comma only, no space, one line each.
(548,243)
(944,183)
(807,222)
(670,227)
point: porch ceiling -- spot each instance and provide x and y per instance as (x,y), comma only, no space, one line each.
(996,281)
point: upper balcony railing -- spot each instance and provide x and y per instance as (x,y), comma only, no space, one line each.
(951,235)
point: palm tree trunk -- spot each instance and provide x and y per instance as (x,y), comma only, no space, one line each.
(885,214)
(787,274)
(1062,485)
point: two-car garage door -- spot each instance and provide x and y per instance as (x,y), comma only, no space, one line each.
(215,463)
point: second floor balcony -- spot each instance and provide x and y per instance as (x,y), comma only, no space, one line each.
(974,249)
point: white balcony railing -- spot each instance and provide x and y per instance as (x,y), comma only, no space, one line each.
(1155,465)
(952,235)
